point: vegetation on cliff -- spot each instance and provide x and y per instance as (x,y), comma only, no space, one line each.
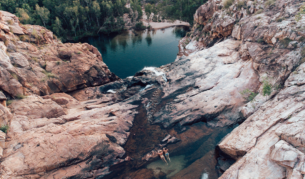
(73,18)
(174,9)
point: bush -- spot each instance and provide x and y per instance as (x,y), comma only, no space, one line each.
(4,128)
(227,3)
(155,19)
(267,88)
(49,75)
(248,95)
(241,4)
(269,2)
(139,26)
(20,96)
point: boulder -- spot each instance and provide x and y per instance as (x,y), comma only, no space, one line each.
(18,60)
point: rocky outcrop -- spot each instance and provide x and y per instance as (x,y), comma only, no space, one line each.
(269,143)
(47,142)
(274,133)
(34,61)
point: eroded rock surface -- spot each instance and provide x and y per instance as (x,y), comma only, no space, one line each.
(50,146)
(33,61)
(274,133)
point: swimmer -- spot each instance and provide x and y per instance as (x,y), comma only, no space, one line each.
(160,153)
(165,151)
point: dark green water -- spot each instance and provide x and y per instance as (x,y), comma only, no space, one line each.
(127,53)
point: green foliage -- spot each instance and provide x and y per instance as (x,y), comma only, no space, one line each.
(9,102)
(300,13)
(4,128)
(248,94)
(69,19)
(269,2)
(148,10)
(20,96)
(23,15)
(259,11)
(155,19)
(49,74)
(43,13)
(139,26)
(227,3)
(179,9)
(267,88)
(241,3)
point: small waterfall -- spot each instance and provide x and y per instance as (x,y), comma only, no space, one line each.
(205,176)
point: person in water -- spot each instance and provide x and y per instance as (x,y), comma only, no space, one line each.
(165,151)
(160,153)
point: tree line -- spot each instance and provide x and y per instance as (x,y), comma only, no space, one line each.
(77,18)
(175,9)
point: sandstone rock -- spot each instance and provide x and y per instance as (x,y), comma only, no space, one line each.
(85,137)
(5,28)
(205,12)
(276,123)
(19,60)
(5,116)
(63,100)
(286,155)
(202,101)
(2,143)
(35,107)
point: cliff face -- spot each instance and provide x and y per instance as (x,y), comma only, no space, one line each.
(241,63)
(269,143)
(33,61)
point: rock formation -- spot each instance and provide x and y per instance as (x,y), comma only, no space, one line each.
(268,144)
(242,63)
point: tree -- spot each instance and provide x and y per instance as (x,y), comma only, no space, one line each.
(97,11)
(57,28)
(72,14)
(43,14)
(148,10)
(23,15)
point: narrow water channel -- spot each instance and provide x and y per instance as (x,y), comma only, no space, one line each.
(129,52)
(194,155)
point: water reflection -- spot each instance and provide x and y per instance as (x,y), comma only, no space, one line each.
(148,39)
(113,44)
(129,52)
